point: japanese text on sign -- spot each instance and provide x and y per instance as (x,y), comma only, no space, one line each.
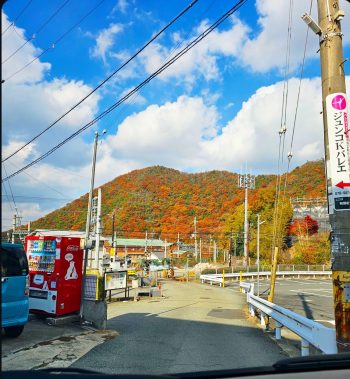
(339,158)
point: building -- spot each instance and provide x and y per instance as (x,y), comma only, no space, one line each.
(136,248)
(315,208)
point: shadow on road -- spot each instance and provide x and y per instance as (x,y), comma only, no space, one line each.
(152,344)
(306,307)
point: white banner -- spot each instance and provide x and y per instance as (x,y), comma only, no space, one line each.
(115,280)
(338,167)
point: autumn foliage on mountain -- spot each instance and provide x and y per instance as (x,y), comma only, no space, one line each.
(164,202)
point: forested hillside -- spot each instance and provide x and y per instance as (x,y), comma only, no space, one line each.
(165,201)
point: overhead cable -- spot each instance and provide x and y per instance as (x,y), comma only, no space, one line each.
(55,43)
(34,35)
(13,199)
(104,81)
(193,43)
(282,131)
(17,17)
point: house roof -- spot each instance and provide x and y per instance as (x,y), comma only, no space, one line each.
(141,242)
(180,252)
(61,233)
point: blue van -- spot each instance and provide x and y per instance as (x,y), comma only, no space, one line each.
(14,289)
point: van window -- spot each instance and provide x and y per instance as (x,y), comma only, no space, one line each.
(13,262)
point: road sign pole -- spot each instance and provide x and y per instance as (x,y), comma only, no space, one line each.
(337,157)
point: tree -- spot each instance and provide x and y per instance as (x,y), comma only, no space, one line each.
(303,227)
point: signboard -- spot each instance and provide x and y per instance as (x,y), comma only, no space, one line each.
(115,280)
(338,167)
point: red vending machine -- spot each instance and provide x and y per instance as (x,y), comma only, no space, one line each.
(55,271)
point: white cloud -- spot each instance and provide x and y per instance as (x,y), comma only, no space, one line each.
(121,6)
(202,60)
(30,103)
(185,134)
(169,134)
(266,49)
(28,211)
(10,43)
(105,40)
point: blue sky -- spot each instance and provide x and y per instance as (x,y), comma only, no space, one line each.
(218,107)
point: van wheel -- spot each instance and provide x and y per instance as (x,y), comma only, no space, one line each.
(14,331)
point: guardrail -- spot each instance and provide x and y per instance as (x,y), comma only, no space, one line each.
(220,278)
(310,332)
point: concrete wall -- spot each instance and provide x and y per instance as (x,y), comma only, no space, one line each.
(96,313)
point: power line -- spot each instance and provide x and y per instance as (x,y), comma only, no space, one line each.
(193,43)
(34,35)
(55,43)
(17,17)
(104,81)
(283,129)
(13,199)
(8,198)
(290,154)
(38,198)
(40,181)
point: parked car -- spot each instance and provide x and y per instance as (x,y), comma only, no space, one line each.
(14,289)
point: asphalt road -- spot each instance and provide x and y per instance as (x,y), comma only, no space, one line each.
(192,328)
(312,298)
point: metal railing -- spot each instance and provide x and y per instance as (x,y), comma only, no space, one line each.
(220,278)
(263,268)
(310,332)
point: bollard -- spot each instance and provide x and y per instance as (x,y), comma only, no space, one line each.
(240,280)
(251,308)
(262,319)
(278,331)
(305,348)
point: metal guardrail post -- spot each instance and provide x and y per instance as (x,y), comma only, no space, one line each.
(278,331)
(262,319)
(305,348)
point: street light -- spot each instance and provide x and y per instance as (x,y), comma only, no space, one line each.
(258,250)
(311,24)
(88,221)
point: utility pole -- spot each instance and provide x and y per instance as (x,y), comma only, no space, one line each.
(88,221)
(195,238)
(200,250)
(165,253)
(337,158)
(14,225)
(214,251)
(178,241)
(258,250)
(230,252)
(336,137)
(246,181)
(113,218)
(98,231)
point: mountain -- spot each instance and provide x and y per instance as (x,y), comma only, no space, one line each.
(165,201)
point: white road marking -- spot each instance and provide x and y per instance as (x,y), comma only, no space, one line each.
(320,289)
(309,293)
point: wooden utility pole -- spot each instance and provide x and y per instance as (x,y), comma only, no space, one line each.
(337,157)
